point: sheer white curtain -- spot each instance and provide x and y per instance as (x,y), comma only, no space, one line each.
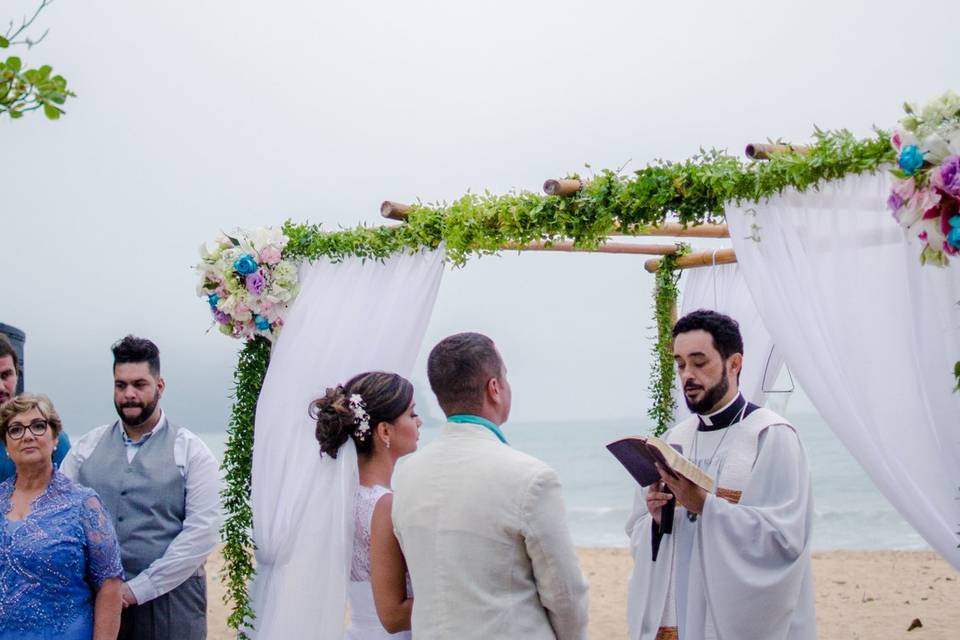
(348,318)
(722,288)
(871,336)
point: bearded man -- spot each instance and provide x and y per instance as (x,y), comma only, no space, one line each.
(735,564)
(161,485)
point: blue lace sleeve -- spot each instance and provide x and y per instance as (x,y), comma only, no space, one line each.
(102,548)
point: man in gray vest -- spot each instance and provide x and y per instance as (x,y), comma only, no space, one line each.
(161,485)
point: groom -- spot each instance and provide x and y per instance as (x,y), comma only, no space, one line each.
(482,525)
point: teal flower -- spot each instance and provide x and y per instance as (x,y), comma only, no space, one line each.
(261,323)
(911,159)
(245,265)
(953,238)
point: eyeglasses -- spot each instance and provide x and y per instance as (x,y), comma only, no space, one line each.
(15,430)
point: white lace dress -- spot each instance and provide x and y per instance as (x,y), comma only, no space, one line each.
(364,623)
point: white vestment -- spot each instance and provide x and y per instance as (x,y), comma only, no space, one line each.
(741,570)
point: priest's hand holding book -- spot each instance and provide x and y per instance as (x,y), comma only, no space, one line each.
(662,468)
(690,496)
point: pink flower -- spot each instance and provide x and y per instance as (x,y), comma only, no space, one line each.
(916,205)
(925,201)
(270,255)
(895,141)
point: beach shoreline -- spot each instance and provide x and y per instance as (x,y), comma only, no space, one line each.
(860,595)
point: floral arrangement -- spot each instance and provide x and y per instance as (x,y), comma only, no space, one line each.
(247,282)
(925,199)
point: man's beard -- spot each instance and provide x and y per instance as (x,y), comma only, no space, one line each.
(146,410)
(711,397)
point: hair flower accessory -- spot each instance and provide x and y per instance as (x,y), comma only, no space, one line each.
(360,416)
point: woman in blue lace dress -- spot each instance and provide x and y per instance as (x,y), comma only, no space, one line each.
(60,572)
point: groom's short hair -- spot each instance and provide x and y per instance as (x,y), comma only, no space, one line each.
(459,368)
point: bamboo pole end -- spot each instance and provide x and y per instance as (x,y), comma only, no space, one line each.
(394,210)
(763,151)
(562,187)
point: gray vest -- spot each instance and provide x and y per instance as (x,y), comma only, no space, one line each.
(146,498)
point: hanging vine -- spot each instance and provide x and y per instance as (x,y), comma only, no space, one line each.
(663,375)
(237,465)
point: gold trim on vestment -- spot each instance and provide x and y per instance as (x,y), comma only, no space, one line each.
(730,495)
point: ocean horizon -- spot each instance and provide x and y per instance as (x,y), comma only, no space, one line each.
(849,512)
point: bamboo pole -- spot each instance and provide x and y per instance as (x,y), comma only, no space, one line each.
(760,151)
(699,259)
(677,230)
(609,247)
(394,210)
(562,186)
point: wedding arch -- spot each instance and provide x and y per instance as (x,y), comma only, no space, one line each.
(816,259)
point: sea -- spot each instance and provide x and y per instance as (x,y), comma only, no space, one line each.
(850,513)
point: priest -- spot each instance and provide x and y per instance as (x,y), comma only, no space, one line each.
(733,564)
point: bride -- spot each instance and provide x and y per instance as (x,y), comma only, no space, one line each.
(373,412)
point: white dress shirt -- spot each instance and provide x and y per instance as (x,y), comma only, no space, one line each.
(188,552)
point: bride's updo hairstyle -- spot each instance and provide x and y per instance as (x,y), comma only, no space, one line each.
(340,414)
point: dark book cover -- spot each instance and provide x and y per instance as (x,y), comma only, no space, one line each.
(639,460)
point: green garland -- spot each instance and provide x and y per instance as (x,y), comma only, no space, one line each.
(694,192)
(664,376)
(237,465)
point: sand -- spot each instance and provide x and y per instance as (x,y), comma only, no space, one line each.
(865,595)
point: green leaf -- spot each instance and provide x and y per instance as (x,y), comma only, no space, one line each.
(14,63)
(52,112)
(4,43)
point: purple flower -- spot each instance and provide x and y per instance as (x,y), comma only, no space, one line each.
(894,201)
(221,317)
(950,175)
(255,282)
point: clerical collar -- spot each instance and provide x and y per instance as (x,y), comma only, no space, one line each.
(464,418)
(736,410)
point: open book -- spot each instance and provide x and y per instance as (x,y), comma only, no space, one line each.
(639,454)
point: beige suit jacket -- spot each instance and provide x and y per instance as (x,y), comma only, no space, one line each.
(484,533)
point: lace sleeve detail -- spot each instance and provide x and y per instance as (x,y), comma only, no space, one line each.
(102,548)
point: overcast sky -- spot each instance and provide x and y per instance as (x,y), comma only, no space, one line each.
(201,116)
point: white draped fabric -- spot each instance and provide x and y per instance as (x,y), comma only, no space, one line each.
(355,316)
(871,336)
(722,288)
